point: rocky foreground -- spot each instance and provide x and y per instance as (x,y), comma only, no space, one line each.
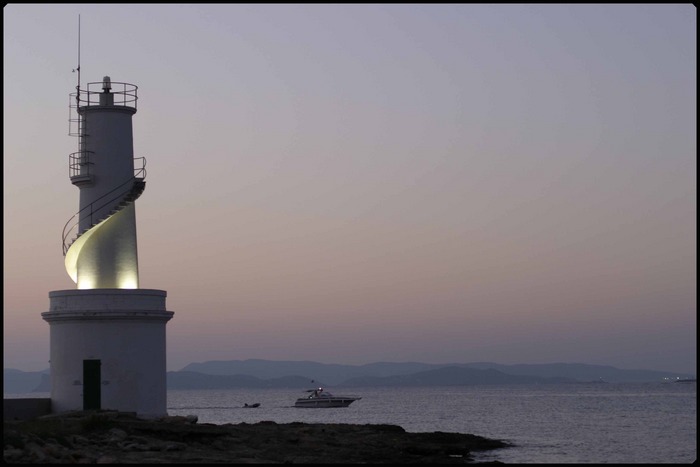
(117,437)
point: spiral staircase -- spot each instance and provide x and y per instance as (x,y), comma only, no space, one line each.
(76,237)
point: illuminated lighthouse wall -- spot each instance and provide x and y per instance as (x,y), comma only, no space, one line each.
(108,345)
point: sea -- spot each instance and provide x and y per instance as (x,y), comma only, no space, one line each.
(554,423)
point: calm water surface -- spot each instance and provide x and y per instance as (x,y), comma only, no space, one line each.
(571,423)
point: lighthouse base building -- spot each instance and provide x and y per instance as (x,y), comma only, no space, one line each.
(108,350)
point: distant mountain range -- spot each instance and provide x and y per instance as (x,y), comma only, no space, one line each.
(303,374)
(20,382)
(425,374)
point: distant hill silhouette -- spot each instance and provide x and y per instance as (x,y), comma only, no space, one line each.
(336,374)
(304,374)
(194,380)
(20,382)
(452,376)
(330,373)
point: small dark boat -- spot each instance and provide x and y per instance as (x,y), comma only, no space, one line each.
(251,406)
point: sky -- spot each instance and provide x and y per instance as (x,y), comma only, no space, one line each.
(355,183)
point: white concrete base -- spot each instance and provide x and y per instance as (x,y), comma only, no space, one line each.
(122,328)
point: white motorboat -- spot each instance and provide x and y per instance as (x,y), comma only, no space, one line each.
(321,398)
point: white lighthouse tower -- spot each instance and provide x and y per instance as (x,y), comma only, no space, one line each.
(107,335)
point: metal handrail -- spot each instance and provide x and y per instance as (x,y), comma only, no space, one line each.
(140,172)
(70,226)
(77,160)
(125,94)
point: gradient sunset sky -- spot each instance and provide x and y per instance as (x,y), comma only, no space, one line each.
(358,183)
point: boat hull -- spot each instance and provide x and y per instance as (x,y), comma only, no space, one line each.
(321,403)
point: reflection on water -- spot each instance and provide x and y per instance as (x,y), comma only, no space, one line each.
(590,423)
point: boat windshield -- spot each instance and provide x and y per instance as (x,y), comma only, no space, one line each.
(320,392)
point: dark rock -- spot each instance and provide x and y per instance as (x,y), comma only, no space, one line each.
(117,437)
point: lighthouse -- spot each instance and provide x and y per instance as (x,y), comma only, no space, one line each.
(108,339)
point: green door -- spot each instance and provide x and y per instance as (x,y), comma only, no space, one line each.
(92,396)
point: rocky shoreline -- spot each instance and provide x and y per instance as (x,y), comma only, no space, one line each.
(107,437)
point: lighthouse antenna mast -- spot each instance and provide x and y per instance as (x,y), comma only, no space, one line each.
(77,88)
